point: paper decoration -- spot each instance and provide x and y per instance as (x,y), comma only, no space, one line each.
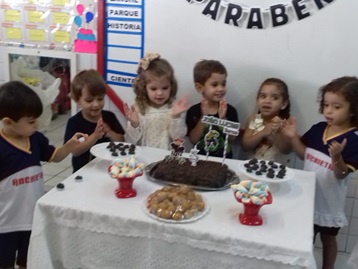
(37,35)
(60,18)
(62,37)
(12,15)
(80,8)
(89,17)
(61,2)
(13,33)
(85,38)
(78,21)
(230,127)
(49,24)
(253,17)
(211,138)
(35,16)
(39,2)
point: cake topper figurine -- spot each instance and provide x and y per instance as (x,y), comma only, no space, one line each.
(193,157)
(211,138)
(177,147)
(211,141)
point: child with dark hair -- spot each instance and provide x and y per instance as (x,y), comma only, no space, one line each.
(330,149)
(88,89)
(263,132)
(210,82)
(156,118)
(22,148)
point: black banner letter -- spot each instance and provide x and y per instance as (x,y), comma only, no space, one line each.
(255,12)
(319,3)
(299,8)
(233,14)
(278,11)
(213,13)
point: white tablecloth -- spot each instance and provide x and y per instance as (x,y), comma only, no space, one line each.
(87,226)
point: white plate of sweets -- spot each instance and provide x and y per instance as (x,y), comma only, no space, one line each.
(114,150)
(266,171)
(186,212)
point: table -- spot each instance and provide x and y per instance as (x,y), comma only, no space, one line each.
(87,226)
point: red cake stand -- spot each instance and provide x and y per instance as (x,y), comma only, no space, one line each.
(251,216)
(125,186)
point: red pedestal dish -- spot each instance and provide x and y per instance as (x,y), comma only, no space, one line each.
(251,216)
(125,186)
(125,189)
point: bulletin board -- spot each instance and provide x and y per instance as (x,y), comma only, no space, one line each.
(67,25)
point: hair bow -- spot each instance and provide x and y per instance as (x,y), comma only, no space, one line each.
(145,61)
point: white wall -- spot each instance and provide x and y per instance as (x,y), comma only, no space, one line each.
(306,54)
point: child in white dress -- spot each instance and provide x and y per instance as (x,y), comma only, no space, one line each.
(156,119)
(263,132)
(330,149)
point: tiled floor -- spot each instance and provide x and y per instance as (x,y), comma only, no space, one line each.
(341,261)
(56,172)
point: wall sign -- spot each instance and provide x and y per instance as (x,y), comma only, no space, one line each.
(124,37)
(121,35)
(260,17)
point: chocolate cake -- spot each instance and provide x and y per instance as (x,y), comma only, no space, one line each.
(179,170)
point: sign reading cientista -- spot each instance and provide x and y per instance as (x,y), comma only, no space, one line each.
(260,14)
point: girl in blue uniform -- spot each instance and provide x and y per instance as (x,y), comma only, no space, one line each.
(330,149)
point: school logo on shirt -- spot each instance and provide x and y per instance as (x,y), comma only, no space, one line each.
(26,180)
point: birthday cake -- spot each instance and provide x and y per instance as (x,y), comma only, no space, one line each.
(180,170)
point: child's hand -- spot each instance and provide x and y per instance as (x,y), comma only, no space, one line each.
(106,130)
(268,129)
(289,127)
(335,149)
(222,108)
(179,107)
(277,124)
(78,138)
(204,106)
(98,132)
(273,127)
(131,115)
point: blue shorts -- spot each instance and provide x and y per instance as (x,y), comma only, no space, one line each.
(326,230)
(11,245)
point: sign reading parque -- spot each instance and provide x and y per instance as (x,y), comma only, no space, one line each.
(260,17)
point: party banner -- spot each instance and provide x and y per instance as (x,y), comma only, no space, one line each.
(259,16)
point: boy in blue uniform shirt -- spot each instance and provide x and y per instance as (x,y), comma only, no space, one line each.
(22,148)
